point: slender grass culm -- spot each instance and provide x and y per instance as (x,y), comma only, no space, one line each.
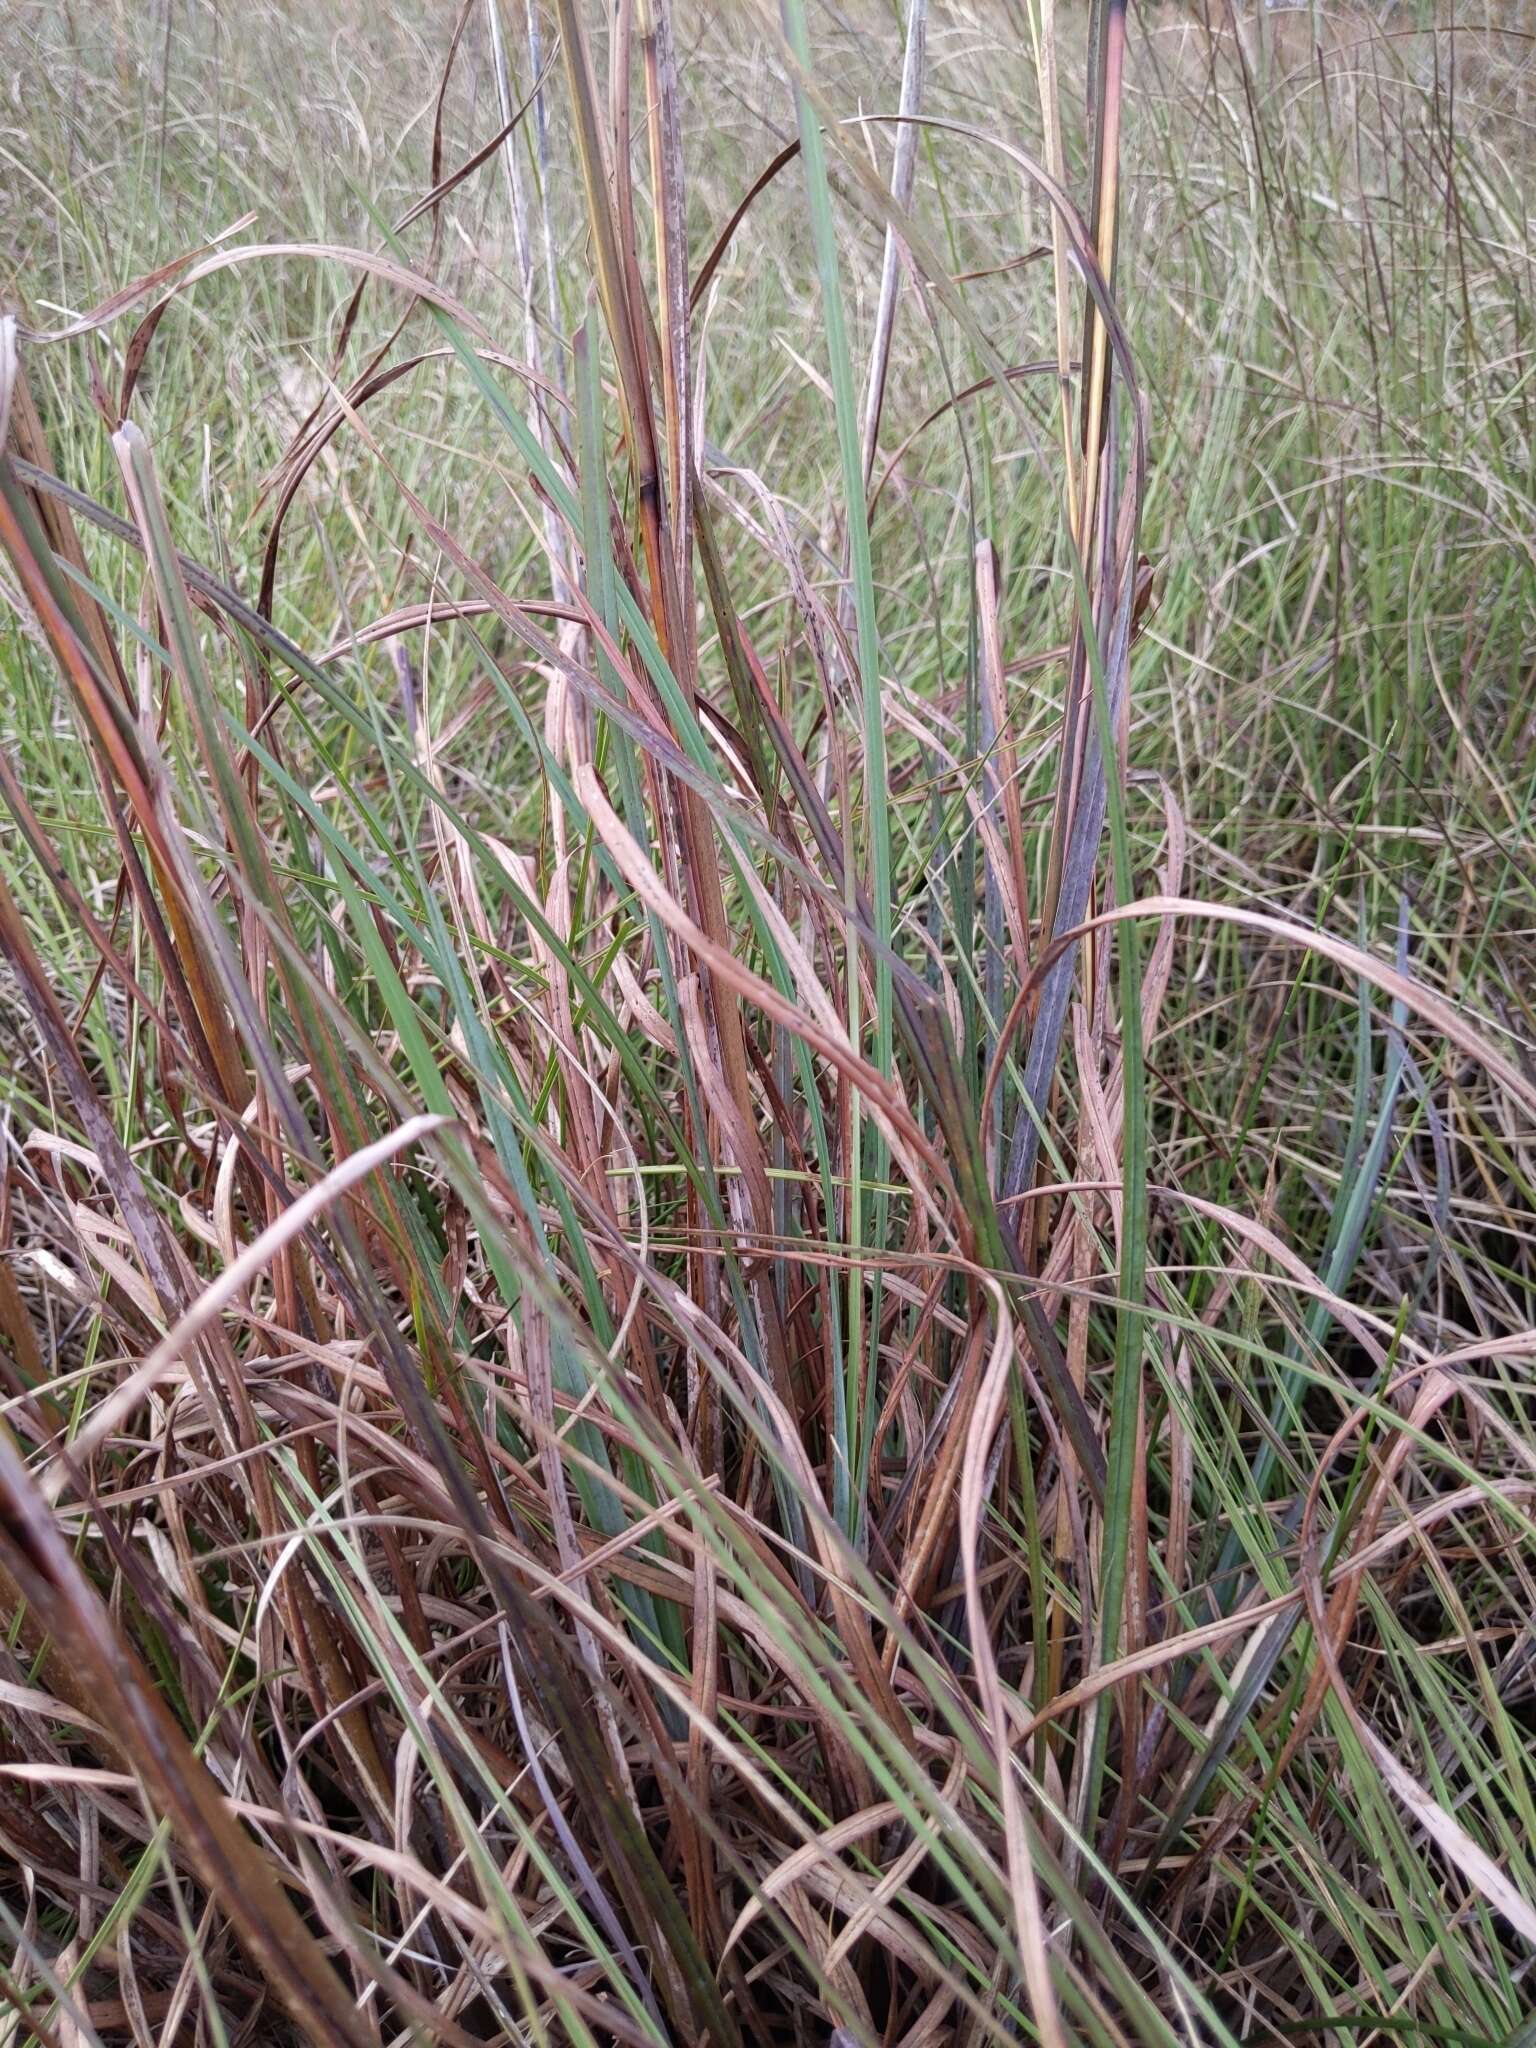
(767,1268)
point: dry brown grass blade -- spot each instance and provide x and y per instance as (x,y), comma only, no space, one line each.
(162,1263)
(1103,227)
(1449,1836)
(211,1361)
(129,294)
(824,1033)
(666,530)
(175,1782)
(236,1277)
(669,201)
(384,268)
(23,1370)
(21,430)
(107,722)
(719,249)
(1094,526)
(312,434)
(429,204)
(208,967)
(665,1555)
(1019,1829)
(87,650)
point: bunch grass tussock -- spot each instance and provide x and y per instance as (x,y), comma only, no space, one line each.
(769,1104)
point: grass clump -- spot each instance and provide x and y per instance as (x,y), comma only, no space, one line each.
(766,1260)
